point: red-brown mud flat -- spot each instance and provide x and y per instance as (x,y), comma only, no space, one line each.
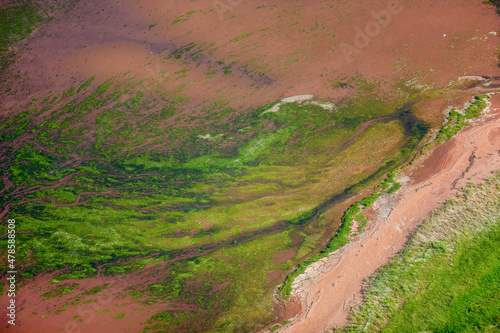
(279,49)
(332,286)
(112,309)
(97,315)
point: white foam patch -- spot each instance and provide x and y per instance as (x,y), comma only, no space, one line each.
(302,99)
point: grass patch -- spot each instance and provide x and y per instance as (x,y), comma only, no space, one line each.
(274,327)
(121,315)
(241,37)
(457,120)
(447,278)
(60,290)
(390,184)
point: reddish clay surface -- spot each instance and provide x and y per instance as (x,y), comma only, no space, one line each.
(36,314)
(470,156)
(301,47)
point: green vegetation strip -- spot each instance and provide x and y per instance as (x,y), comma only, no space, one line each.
(457,121)
(342,236)
(447,279)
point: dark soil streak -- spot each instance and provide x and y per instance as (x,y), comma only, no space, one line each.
(472,159)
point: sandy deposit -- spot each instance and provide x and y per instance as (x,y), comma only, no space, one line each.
(330,287)
(302,100)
